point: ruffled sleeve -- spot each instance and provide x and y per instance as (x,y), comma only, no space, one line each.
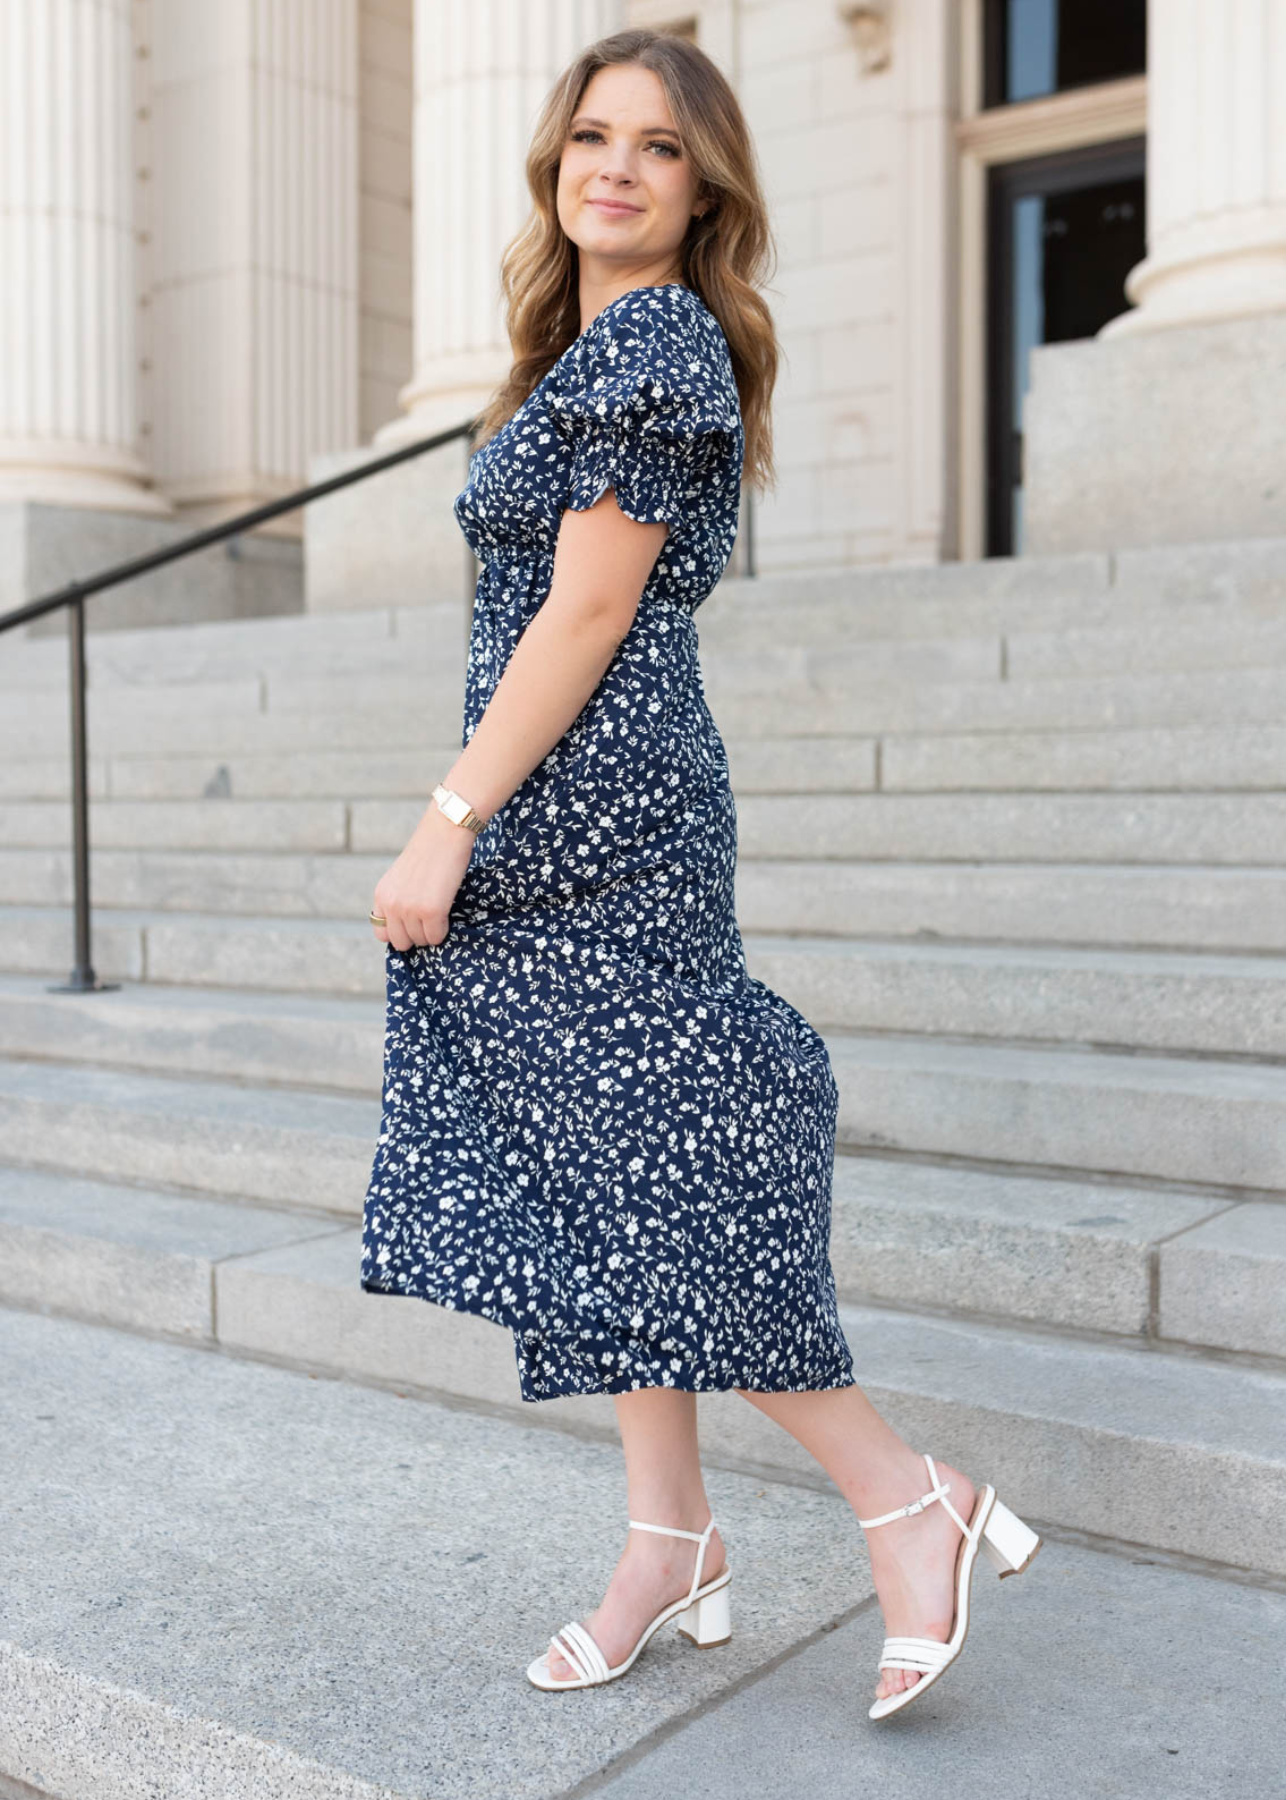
(645,409)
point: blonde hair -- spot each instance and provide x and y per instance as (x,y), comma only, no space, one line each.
(725,255)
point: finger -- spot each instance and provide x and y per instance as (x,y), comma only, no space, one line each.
(432,930)
(425,927)
(398,935)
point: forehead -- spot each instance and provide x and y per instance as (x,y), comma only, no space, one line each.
(624,93)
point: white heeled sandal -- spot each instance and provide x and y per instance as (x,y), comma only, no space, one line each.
(703,1618)
(1008,1545)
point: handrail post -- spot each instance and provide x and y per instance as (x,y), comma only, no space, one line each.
(83,979)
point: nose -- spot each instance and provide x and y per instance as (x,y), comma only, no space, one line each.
(618,165)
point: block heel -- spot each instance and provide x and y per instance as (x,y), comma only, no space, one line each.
(708,1622)
(1007,1543)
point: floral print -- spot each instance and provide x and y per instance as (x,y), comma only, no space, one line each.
(598,1129)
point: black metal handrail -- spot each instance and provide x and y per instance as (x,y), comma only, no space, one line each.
(83,980)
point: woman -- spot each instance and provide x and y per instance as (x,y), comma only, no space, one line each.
(599,1130)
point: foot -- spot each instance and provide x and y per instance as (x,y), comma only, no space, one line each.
(653,1571)
(913,1562)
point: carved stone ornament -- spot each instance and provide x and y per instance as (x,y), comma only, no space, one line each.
(871,26)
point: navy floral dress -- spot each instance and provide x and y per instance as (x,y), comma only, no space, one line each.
(598,1129)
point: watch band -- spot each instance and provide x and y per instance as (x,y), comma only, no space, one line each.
(457,809)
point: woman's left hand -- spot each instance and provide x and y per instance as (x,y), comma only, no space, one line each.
(414,896)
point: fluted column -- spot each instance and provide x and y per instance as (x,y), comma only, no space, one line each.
(255,253)
(482,69)
(1216,164)
(69,417)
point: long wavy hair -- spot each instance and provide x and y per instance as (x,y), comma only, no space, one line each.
(726,255)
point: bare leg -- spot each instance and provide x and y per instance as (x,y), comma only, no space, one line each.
(664,1487)
(912,1560)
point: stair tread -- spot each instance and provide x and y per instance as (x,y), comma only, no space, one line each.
(994,1059)
(315,1530)
(1126,1388)
(161,1097)
(1112,959)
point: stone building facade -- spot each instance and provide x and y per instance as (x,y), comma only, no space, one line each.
(1031,279)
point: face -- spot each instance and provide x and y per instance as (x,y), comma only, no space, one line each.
(626,189)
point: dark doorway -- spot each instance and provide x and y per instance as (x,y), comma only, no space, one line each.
(1063,232)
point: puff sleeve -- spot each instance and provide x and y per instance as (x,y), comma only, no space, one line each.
(645,409)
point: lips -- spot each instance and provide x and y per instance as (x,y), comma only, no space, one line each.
(614,206)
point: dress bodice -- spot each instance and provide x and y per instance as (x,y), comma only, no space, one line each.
(644,401)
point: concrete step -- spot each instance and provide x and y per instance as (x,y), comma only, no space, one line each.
(284,1145)
(765,765)
(830,692)
(811,613)
(1186,1454)
(1160,1000)
(840,704)
(1159,1118)
(1162,1266)
(305,1039)
(203,717)
(1230,758)
(263,884)
(1155,645)
(1162,907)
(1233,759)
(223,1577)
(1011,594)
(801,660)
(1207,574)
(311,956)
(231,649)
(209,824)
(1245,829)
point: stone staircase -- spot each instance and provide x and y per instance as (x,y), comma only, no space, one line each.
(1013,835)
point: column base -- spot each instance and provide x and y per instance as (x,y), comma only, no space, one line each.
(1157,437)
(393,539)
(43,547)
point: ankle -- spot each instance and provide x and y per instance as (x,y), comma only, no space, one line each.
(884,1493)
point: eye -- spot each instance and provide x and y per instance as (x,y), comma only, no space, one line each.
(587,134)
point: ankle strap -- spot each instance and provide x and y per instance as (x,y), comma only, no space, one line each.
(938,1491)
(698,1537)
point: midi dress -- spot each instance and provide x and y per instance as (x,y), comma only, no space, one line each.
(598,1129)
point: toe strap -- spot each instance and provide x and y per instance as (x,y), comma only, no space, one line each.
(922,1654)
(584,1655)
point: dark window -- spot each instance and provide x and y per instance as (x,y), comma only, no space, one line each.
(1036,47)
(1063,232)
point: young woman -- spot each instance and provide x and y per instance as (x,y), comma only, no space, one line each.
(599,1130)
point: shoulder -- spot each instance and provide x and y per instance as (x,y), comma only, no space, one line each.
(670,323)
(650,342)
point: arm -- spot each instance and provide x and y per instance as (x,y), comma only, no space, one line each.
(601,563)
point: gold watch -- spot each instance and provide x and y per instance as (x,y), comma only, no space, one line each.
(457,809)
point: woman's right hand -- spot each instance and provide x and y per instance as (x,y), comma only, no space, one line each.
(414,895)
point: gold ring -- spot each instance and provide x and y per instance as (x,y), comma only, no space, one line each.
(377,919)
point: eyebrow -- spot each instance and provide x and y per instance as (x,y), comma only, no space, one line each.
(647,131)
